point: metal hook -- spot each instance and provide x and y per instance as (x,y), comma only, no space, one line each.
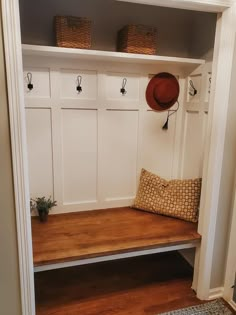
(194,91)
(29,79)
(209,87)
(79,87)
(123,90)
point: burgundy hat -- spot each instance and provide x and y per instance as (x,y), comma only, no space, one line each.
(162,91)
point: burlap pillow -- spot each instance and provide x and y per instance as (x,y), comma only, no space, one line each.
(174,198)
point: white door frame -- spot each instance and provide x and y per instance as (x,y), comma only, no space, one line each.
(231,261)
(213,158)
(14,69)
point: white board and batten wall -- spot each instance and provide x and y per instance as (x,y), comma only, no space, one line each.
(86,149)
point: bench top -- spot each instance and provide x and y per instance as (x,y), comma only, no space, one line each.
(82,235)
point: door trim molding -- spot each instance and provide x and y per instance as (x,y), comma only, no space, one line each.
(213,157)
(230,273)
(14,69)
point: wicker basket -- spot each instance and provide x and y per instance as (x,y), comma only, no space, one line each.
(138,39)
(73,32)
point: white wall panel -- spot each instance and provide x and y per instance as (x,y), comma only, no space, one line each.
(79,153)
(193,145)
(157,152)
(39,138)
(119,151)
(69,82)
(102,139)
(40,80)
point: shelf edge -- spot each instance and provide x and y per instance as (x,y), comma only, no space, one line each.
(50,51)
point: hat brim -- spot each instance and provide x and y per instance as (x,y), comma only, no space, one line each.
(151,101)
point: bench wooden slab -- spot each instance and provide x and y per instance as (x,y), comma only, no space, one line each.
(82,237)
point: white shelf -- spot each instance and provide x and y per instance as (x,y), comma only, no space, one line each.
(199,5)
(59,52)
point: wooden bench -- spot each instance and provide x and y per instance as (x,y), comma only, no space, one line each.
(98,235)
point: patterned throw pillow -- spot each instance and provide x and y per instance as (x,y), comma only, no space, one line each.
(174,198)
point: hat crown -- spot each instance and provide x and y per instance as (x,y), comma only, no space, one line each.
(162,91)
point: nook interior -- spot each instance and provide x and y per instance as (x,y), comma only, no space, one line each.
(87,150)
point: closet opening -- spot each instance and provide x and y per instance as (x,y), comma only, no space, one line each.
(87,143)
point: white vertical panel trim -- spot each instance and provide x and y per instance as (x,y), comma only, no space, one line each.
(197,108)
(178,132)
(56,134)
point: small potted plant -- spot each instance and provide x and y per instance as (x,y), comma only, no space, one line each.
(43,206)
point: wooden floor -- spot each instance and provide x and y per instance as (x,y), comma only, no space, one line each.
(134,286)
(81,235)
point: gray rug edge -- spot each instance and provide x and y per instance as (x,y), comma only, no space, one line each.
(216,307)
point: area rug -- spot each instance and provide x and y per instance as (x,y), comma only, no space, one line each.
(216,307)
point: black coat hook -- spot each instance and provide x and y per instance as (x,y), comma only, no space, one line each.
(30,86)
(192,89)
(123,90)
(79,81)
(209,87)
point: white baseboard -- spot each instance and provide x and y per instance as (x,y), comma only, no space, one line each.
(216,293)
(232,304)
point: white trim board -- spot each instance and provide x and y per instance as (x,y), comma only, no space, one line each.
(232,304)
(213,160)
(14,68)
(196,5)
(114,257)
(231,259)
(216,293)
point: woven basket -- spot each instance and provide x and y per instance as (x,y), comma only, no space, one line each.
(138,39)
(73,32)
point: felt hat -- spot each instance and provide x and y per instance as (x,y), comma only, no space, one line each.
(162,91)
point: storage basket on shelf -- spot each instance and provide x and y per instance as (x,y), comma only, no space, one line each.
(138,39)
(73,32)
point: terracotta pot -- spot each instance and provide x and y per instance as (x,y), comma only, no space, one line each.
(43,216)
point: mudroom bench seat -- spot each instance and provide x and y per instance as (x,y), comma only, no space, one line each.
(92,236)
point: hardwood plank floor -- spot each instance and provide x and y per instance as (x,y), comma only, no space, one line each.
(80,235)
(144,285)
